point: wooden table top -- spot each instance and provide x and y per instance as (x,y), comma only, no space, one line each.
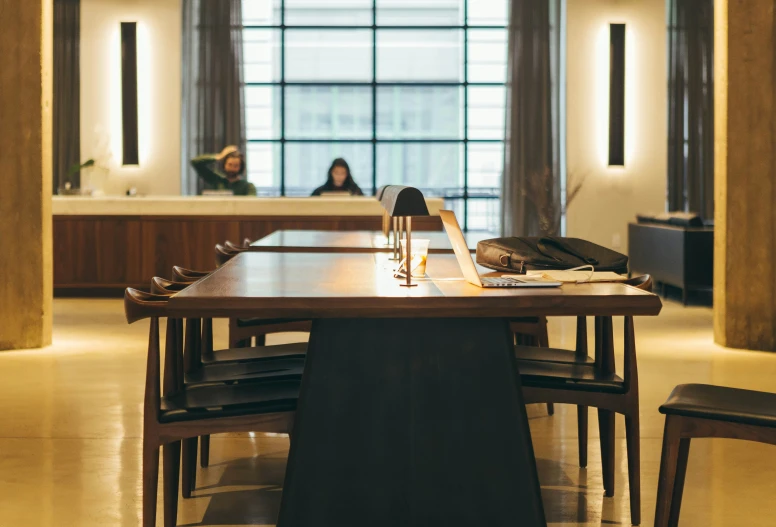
(337,285)
(354,241)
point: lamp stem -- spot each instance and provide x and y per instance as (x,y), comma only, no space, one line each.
(396,239)
(408,257)
(386,227)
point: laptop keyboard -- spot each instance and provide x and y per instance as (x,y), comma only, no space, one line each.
(500,281)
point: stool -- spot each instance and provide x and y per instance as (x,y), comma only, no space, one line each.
(702,410)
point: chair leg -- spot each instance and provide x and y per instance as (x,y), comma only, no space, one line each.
(204,451)
(681,472)
(582,435)
(150,482)
(634,465)
(189,477)
(550,408)
(606,431)
(669,464)
(172,460)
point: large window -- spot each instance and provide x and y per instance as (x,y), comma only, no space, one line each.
(407,91)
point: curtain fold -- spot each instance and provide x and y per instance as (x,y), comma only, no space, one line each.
(66,105)
(691,107)
(212,111)
(531,187)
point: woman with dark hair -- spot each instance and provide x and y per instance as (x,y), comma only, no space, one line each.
(340,180)
(224,171)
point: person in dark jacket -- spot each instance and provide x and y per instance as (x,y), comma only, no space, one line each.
(339,180)
(224,171)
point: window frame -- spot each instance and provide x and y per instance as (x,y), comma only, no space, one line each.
(476,193)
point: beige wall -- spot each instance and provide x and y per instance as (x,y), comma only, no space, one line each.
(610,198)
(159,91)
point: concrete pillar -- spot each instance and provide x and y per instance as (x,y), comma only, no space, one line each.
(26,50)
(745,175)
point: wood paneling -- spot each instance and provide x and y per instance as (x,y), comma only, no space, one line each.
(96,255)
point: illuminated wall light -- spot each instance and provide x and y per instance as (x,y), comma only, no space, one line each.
(129,114)
(600,115)
(633,111)
(616,95)
(113,98)
(145,101)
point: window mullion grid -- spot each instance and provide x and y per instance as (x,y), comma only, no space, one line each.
(374,97)
(374,85)
(282,97)
(465,117)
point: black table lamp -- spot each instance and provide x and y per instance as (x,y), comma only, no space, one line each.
(402,203)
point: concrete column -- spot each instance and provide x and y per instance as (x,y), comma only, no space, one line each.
(26,50)
(745,175)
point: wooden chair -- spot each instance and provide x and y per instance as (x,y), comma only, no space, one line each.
(181,274)
(532,332)
(224,254)
(578,356)
(255,364)
(596,385)
(243,332)
(238,248)
(702,410)
(173,412)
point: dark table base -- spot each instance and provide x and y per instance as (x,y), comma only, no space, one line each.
(413,423)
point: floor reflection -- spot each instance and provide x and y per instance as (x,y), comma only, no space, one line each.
(71,429)
(234,502)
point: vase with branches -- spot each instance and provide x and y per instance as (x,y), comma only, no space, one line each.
(540,191)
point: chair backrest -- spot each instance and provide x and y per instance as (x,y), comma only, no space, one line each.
(139,305)
(162,286)
(643,282)
(232,247)
(224,254)
(181,274)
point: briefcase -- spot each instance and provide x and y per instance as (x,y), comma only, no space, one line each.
(525,253)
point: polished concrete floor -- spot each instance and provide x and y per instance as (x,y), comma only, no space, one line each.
(70,434)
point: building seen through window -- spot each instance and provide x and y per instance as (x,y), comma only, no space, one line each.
(407,91)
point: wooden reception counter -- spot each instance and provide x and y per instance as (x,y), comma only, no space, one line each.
(102,245)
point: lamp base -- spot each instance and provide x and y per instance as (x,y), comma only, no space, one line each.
(408,285)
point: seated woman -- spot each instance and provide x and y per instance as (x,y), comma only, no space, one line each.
(340,180)
(224,171)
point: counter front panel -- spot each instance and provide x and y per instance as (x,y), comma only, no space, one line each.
(99,253)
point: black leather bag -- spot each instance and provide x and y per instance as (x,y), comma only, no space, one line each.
(518,255)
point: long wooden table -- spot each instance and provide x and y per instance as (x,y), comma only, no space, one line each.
(411,409)
(298,241)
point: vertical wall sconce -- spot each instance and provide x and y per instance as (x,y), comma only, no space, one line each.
(616,94)
(129,122)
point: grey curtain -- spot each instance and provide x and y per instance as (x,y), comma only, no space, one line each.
(66,105)
(691,107)
(212,99)
(531,200)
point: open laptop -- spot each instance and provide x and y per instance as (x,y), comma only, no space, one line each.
(468,268)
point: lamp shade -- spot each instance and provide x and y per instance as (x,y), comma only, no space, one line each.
(398,200)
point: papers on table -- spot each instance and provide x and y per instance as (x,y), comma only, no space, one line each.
(571,276)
